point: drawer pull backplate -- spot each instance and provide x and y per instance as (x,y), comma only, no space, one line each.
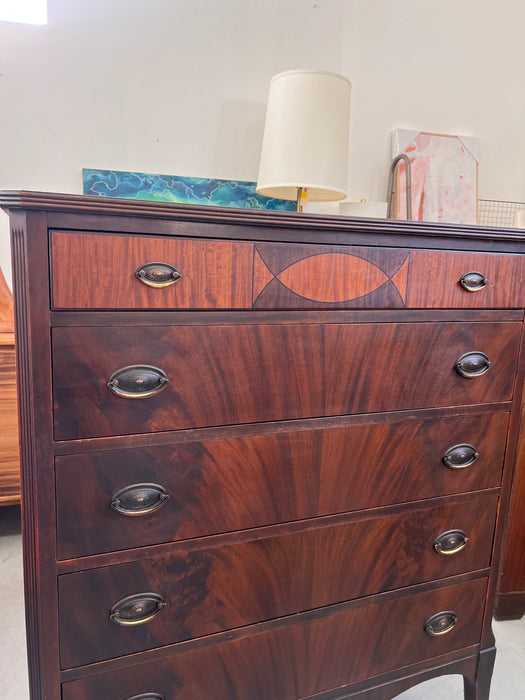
(138,381)
(139,499)
(158,274)
(460,456)
(137,609)
(473,281)
(450,542)
(472,364)
(440,623)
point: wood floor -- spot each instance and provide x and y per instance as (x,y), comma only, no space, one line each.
(509,674)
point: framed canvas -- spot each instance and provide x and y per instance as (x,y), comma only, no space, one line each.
(175,188)
(444,171)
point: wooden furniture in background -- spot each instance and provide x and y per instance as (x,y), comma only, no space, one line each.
(9,459)
(266,455)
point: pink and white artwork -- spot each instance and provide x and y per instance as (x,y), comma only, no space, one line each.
(444,172)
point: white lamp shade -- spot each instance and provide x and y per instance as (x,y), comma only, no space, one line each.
(305,140)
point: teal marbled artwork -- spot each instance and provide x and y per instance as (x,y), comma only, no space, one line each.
(177,189)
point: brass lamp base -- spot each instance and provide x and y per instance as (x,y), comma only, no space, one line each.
(302,195)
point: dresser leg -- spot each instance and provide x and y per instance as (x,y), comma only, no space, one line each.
(478,688)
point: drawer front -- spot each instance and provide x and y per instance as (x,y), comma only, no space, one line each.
(219,375)
(222,587)
(223,274)
(305,656)
(435,280)
(231,484)
(214,274)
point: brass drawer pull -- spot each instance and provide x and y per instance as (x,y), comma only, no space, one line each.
(440,623)
(147,696)
(138,381)
(158,274)
(473,281)
(139,499)
(137,609)
(450,542)
(460,456)
(472,364)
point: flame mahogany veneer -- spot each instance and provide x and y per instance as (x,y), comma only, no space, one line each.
(252,464)
(293,475)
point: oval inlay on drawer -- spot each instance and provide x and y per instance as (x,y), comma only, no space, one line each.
(313,277)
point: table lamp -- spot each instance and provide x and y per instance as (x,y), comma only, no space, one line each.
(305,146)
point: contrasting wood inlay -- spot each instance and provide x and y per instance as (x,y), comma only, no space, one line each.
(303,657)
(344,277)
(232,484)
(262,275)
(237,274)
(306,276)
(222,274)
(400,279)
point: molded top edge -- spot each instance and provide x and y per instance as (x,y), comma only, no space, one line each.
(11,200)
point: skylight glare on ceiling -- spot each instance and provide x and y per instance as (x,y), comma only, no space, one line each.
(24,11)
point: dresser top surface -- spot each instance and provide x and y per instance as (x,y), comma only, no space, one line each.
(83,205)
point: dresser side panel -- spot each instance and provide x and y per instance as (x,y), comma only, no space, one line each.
(31,300)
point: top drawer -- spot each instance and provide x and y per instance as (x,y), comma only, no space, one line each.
(147,272)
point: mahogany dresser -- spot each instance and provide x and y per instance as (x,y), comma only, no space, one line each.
(9,460)
(266,456)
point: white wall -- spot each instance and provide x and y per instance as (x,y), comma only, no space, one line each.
(165,86)
(180,86)
(453,67)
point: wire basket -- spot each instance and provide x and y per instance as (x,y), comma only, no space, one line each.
(492,212)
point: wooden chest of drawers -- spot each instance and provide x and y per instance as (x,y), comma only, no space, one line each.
(265,456)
